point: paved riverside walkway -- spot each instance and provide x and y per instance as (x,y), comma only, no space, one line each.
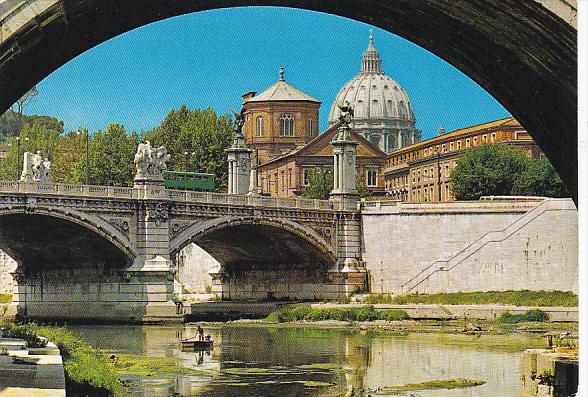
(30,372)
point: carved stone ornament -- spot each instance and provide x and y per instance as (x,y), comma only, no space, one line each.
(150,162)
(158,214)
(120,223)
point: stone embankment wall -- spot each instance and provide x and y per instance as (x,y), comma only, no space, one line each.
(471,246)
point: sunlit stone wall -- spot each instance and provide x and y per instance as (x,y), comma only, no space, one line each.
(471,246)
(7,266)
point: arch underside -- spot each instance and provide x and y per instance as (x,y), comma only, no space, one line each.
(40,243)
(520,52)
(261,260)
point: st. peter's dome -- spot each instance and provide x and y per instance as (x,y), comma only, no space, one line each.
(383,111)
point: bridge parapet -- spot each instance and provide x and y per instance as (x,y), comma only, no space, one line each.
(117,192)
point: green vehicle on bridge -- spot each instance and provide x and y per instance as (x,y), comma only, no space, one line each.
(200,182)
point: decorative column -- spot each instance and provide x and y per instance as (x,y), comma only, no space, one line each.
(344,168)
(239,157)
(348,218)
(151,274)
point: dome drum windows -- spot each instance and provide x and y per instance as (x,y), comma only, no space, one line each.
(311,129)
(287,125)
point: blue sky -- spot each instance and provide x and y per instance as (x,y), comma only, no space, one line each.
(211,58)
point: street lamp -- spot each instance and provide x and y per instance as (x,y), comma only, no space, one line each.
(80,130)
(186,155)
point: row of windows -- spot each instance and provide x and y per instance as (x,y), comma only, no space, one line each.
(286,126)
(443,148)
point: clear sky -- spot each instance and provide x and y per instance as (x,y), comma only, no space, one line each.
(211,58)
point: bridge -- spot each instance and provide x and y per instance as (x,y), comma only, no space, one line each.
(108,252)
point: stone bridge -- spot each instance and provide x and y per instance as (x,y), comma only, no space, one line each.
(97,252)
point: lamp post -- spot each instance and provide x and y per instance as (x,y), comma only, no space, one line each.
(17,156)
(186,155)
(80,130)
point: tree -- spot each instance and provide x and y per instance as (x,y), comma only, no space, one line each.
(540,179)
(320,183)
(22,102)
(67,154)
(489,169)
(202,134)
(111,154)
(32,139)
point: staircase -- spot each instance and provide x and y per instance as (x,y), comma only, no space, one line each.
(490,237)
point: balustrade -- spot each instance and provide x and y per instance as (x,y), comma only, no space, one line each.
(160,192)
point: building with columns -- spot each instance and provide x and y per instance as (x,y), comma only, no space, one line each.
(383,111)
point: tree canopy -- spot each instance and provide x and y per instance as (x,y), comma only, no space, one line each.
(320,183)
(202,134)
(495,169)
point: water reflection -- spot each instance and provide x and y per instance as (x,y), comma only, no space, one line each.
(267,361)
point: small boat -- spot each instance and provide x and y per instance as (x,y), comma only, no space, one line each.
(195,343)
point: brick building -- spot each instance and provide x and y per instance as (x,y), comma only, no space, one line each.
(420,172)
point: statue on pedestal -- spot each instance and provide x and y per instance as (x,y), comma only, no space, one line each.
(239,140)
(150,163)
(35,168)
(345,118)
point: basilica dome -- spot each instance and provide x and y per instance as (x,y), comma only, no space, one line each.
(383,112)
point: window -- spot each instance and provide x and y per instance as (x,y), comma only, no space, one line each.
(371,177)
(484,138)
(443,148)
(467,142)
(475,140)
(259,126)
(287,125)
(311,128)
(451,146)
(493,137)
(458,145)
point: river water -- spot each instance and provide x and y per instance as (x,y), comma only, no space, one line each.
(272,361)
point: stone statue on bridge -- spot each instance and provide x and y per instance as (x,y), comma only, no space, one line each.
(150,162)
(35,168)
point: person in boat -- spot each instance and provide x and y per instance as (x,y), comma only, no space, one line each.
(200,332)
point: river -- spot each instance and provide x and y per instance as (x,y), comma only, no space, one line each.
(275,361)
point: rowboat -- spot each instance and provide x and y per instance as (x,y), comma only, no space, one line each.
(194,343)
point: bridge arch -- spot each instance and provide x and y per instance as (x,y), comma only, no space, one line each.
(36,236)
(521,52)
(212,237)
(264,258)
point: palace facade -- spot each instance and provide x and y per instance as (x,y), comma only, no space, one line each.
(420,172)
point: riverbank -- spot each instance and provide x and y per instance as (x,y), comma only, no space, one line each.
(87,372)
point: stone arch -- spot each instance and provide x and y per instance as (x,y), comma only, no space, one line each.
(89,222)
(191,234)
(523,52)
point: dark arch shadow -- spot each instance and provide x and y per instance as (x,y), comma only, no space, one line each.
(521,53)
(40,242)
(261,259)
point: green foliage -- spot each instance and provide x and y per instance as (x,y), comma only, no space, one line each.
(501,170)
(515,298)
(5,298)
(11,124)
(86,370)
(488,169)
(364,313)
(110,161)
(320,183)
(27,333)
(546,378)
(529,316)
(540,179)
(197,131)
